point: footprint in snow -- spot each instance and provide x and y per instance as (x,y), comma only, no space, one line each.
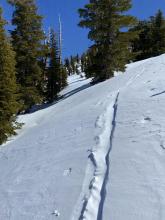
(162,145)
(56,213)
(99,103)
(67,172)
(146,119)
(134,141)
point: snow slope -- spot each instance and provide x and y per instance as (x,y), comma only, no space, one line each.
(97,154)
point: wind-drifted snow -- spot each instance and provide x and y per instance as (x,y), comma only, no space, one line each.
(96,154)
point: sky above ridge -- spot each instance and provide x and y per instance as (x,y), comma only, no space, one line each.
(75,38)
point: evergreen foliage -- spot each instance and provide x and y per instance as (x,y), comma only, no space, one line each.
(158,34)
(73,64)
(53,87)
(77,58)
(151,38)
(141,46)
(44,60)
(57,75)
(84,62)
(8,88)
(64,76)
(106,20)
(27,40)
(68,66)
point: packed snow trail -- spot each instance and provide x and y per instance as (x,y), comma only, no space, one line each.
(103,190)
(93,204)
(99,157)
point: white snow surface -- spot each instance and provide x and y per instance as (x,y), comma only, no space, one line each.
(96,154)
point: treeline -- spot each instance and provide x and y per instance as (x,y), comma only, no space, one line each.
(31,69)
(118,38)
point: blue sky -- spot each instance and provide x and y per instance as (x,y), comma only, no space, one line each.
(74,38)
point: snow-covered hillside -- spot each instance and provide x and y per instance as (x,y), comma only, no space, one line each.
(97,154)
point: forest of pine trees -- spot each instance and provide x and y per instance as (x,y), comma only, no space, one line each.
(31,68)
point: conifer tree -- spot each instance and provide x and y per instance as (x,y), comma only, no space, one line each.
(8,88)
(158,34)
(77,64)
(57,75)
(110,50)
(151,37)
(44,61)
(83,62)
(142,45)
(54,69)
(68,66)
(73,65)
(27,43)
(77,58)
(64,76)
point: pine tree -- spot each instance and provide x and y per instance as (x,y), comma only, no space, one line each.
(8,87)
(54,69)
(68,66)
(158,34)
(106,20)
(44,60)
(77,58)
(73,64)
(64,75)
(142,45)
(151,37)
(27,40)
(84,59)
(77,64)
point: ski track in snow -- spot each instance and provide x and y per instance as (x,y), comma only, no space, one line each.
(93,204)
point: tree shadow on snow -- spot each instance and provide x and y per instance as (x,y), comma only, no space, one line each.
(79,80)
(59,99)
